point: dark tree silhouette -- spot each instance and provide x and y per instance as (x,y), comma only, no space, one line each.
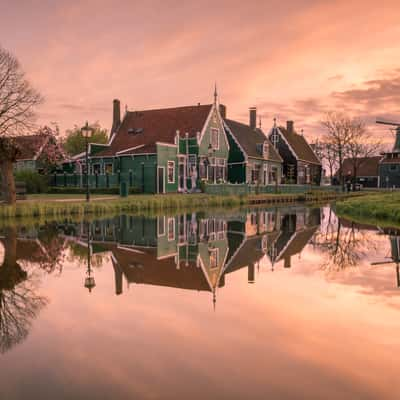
(17,105)
(19,303)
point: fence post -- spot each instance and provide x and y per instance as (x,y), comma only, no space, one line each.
(107,180)
(97,179)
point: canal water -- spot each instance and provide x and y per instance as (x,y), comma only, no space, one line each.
(280,303)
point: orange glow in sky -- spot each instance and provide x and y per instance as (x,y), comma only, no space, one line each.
(294,59)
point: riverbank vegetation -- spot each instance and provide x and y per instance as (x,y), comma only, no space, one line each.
(382,208)
(60,206)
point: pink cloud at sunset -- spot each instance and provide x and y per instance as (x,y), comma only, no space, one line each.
(294,59)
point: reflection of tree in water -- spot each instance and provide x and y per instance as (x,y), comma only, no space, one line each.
(78,255)
(345,245)
(19,303)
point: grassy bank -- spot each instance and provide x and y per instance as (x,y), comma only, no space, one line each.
(381,208)
(67,206)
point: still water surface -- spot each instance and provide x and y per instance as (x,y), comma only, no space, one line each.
(281,303)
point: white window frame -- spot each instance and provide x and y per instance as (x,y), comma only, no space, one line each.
(171,239)
(112,167)
(160,223)
(214,130)
(214,253)
(95,165)
(265,149)
(168,167)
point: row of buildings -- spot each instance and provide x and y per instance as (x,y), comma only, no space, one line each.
(178,149)
(175,149)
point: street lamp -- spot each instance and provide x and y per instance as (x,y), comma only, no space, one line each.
(86,133)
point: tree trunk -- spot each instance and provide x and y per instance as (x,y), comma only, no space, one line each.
(7,181)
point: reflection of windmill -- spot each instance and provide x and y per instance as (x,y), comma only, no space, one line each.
(395,257)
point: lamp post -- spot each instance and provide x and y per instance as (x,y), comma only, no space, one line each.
(86,133)
(89,280)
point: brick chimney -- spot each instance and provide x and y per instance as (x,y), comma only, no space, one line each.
(222,110)
(116,115)
(253,117)
(289,126)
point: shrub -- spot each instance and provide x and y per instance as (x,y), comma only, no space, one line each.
(35,182)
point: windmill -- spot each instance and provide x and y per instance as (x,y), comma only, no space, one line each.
(396,147)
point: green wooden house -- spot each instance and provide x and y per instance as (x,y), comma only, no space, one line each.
(252,157)
(162,151)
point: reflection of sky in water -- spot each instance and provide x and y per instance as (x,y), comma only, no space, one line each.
(298,332)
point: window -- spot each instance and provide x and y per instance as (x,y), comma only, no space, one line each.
(275,138)
(171,171)
(215,138)
(192,163)
(265,149)
(171,229)
(255,174)
(96,169)
(393,167)
(160,226)
(203,168)
(108,168)
(273,175)
(221,162)
(213,258)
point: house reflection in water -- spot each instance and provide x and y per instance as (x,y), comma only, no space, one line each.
(194,251)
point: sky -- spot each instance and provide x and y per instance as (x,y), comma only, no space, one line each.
(293,60)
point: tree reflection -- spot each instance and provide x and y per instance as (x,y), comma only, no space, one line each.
(344,243)
(19,303)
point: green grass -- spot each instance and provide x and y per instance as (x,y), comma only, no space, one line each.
(50,206)
(379,208)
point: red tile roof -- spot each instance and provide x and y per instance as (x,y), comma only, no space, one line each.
(300,146)
(151,126)
(30,146)
(366,166)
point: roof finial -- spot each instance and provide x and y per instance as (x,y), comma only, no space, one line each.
(259,123)
(126,108)
(302,132)
(215,93)
(275,122)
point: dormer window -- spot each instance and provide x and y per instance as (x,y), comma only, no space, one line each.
(135,131)
(265,149)
(275,138)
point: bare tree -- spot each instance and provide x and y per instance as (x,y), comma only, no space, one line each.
(338,135)
(327,155)
(18,101)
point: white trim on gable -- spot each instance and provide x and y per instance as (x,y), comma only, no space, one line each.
(39,152)
(166,144)
(130,149)
(203,131)
(284,139)
(116,132)
(225,125)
